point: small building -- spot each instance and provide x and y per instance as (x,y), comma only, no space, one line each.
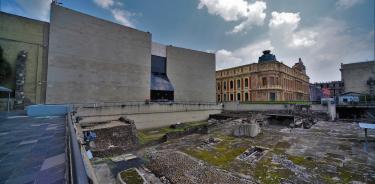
(330,89)
(359,77)
(349,98)
(316,93)
(267,80)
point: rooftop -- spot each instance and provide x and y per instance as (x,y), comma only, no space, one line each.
(32,150)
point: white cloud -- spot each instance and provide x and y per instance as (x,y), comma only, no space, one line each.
(116,8)
(322,48)
(122,16)
(241,56)
(104,3)
(250,14)
(345,4)
(284,20)
(229,10)
(255,16)
(38,9)
(283,30)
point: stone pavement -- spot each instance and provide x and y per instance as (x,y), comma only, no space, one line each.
(32,150)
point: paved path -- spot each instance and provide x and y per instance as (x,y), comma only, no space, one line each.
(32,150)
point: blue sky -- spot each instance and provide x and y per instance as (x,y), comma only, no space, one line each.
(324,33)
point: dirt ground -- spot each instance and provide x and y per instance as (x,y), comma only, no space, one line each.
(329,152)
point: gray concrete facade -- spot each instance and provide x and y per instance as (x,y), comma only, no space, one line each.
(356,75)
(192,74)
(93,60)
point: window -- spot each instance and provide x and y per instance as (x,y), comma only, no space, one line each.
(218,86)
(273,96)
(225,97)
(158,64)
(246,83)
(238,84)
(264,81)
(218,98)
(238,96)
(272,80)
(231,97)
(225,85)
(231,84)
(246,97)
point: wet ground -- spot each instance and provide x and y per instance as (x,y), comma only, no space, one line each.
(329,152)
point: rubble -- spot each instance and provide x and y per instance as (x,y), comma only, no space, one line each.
(178,167)
(112,138)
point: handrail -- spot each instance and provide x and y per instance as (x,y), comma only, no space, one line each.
(78,174)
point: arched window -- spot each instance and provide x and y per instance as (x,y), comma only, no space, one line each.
(218,86)
(246,82)
(239,96)
(238,84)
(225,85)
(231,84)
(246,97)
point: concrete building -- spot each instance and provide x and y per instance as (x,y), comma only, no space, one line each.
(359,77)
(267,80)
(78,58)
(19,34)
(330,89)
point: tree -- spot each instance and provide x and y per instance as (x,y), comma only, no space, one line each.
(5,69)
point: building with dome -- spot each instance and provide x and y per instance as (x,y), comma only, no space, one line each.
(267,80)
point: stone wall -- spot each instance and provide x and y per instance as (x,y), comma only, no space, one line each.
(93,60)
(149,115)
(192,74)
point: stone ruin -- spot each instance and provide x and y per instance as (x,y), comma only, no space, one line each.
(113,137)
(252,154)
(179,167)
(248,128)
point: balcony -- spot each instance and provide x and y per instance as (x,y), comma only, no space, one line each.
(269,87)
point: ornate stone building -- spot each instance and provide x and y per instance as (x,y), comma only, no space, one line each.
(267,80)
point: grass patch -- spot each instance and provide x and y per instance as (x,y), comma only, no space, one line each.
(155,134)
(221,155)
(265,172)
(279,102)
(131,176)
(302,161)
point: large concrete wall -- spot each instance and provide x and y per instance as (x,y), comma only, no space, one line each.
(236,106)
(93,60)
(149,115)
(355,76)
(20,33)
(192,74)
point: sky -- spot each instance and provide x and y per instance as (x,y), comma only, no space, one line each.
(323,33)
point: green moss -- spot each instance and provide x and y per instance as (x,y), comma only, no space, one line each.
(222,155)
(131,176)
(302,161)
(155,134)
(265,172)
(346,176)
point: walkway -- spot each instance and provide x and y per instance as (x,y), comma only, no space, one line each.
(32,150)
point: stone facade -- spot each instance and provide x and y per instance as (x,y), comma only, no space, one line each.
(263,81)
(357,77)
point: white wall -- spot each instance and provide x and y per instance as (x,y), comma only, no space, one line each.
(93,60)
(192,74)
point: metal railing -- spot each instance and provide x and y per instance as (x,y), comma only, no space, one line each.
(77,169)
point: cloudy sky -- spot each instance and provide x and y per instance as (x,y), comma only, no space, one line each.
(324,33)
